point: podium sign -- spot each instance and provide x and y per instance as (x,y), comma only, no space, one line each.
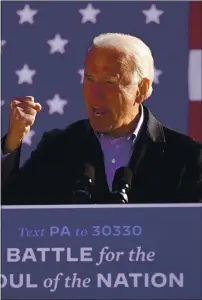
(102,252)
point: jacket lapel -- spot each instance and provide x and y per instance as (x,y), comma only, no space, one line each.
(92,153)
(148,150)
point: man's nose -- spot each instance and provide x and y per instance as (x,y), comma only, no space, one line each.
(98,92)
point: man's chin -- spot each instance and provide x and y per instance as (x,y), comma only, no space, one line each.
(99,126)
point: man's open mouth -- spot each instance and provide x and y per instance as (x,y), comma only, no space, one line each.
(99,111)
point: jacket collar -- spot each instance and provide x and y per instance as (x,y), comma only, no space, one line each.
(152,127)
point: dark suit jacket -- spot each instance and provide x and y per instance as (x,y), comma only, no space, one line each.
(167,167)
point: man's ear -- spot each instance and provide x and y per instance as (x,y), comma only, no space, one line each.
(142,91)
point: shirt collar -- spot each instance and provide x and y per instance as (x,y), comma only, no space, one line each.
(139,124)
(137,129)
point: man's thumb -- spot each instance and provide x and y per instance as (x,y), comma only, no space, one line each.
(38,107)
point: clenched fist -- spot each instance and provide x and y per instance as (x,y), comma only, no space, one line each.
(23,111)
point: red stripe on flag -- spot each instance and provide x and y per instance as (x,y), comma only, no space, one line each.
(195,120)
(195,25)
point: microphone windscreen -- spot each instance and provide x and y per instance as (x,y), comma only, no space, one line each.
(123,176)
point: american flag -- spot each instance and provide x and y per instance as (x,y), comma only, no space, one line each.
(43,46)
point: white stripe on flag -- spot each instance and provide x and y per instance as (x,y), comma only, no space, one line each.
(195,75)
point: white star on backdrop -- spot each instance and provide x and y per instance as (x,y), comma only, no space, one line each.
(153,14)
(3,42)
(28,138)
(2,102)
(157,73)
(81,73)
(25,75)
(26,14)
(89,13)
(56,105)
(57,44)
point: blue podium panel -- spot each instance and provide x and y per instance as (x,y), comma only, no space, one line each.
(102,252)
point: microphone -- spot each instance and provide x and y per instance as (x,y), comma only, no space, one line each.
(83,186)
(121,185)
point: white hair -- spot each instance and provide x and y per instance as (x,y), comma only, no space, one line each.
(135,48)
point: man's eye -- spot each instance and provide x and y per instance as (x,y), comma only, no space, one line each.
(110,81)
(88,78)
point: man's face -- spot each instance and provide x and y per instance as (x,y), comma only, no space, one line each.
(109,91)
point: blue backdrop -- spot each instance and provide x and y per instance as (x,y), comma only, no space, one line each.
(43,51)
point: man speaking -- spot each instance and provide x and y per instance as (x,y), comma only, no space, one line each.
(121,154)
